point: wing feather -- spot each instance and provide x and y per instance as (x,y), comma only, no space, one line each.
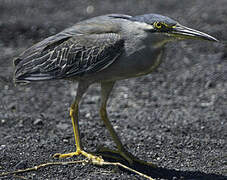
(87,47)
(71,57)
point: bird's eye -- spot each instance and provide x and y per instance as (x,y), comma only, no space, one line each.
(158,25)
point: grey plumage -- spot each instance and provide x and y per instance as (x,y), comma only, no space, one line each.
(72,52)
(151,18)
(93,45)
(70,57)
(103,49)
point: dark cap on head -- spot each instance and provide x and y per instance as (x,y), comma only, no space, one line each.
(151,18)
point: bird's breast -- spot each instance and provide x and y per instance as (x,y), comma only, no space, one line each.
(128,66)
(143,61)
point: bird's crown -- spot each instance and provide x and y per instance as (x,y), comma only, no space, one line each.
(158,21)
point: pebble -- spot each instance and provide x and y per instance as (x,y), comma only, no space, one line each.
(88,115)
(65,140)
(21,165)
(3,121)
(2,146)
(90,9)
(63,126)
(38,122)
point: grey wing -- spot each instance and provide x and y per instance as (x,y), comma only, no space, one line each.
(71,57)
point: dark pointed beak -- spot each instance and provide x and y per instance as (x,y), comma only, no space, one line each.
(183,32)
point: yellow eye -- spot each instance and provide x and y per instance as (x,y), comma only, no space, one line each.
(158,25)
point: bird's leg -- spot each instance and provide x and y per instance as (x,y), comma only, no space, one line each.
(74,111)
(114,136)
(74,114)
(105,92)
(121,153)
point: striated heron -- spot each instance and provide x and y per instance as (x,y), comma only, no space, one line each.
(102,50)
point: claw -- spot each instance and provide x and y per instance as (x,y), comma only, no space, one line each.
(122,156)
(68,155)
(97,160)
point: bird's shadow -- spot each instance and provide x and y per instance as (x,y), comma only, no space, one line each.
(170,174)
(162,173)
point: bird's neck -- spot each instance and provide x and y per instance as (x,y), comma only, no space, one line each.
(157,41)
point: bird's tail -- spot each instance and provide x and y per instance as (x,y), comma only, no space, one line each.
(27,70)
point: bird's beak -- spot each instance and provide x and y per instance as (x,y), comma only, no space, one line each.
(183,32)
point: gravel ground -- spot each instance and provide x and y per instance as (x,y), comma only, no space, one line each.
(175,117)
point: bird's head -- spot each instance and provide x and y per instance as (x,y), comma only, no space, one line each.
(169,28)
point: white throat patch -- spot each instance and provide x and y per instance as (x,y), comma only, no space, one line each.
(144,26)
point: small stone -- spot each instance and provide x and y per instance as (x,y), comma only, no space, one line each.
(2,146)
(20,124)
(90,9)
(65,140)
(206,104)
(88,115)
(21,165)
(63,126)
(210,84)
(125,96)
(12,106)
(3,121)
(38,122)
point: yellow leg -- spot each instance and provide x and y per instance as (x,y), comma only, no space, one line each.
(105,92)
(106,89)
(74,114)
(114,135)
(74,118)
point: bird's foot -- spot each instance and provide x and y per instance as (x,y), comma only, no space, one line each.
(66,155)
(122,156)
(97,160)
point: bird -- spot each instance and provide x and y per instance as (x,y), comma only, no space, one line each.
(103,50)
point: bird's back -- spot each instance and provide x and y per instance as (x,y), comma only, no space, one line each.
(87,47)
(101,48)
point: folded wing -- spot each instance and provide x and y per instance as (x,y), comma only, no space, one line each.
(67,55)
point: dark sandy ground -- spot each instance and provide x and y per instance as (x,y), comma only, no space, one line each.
(175,117)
